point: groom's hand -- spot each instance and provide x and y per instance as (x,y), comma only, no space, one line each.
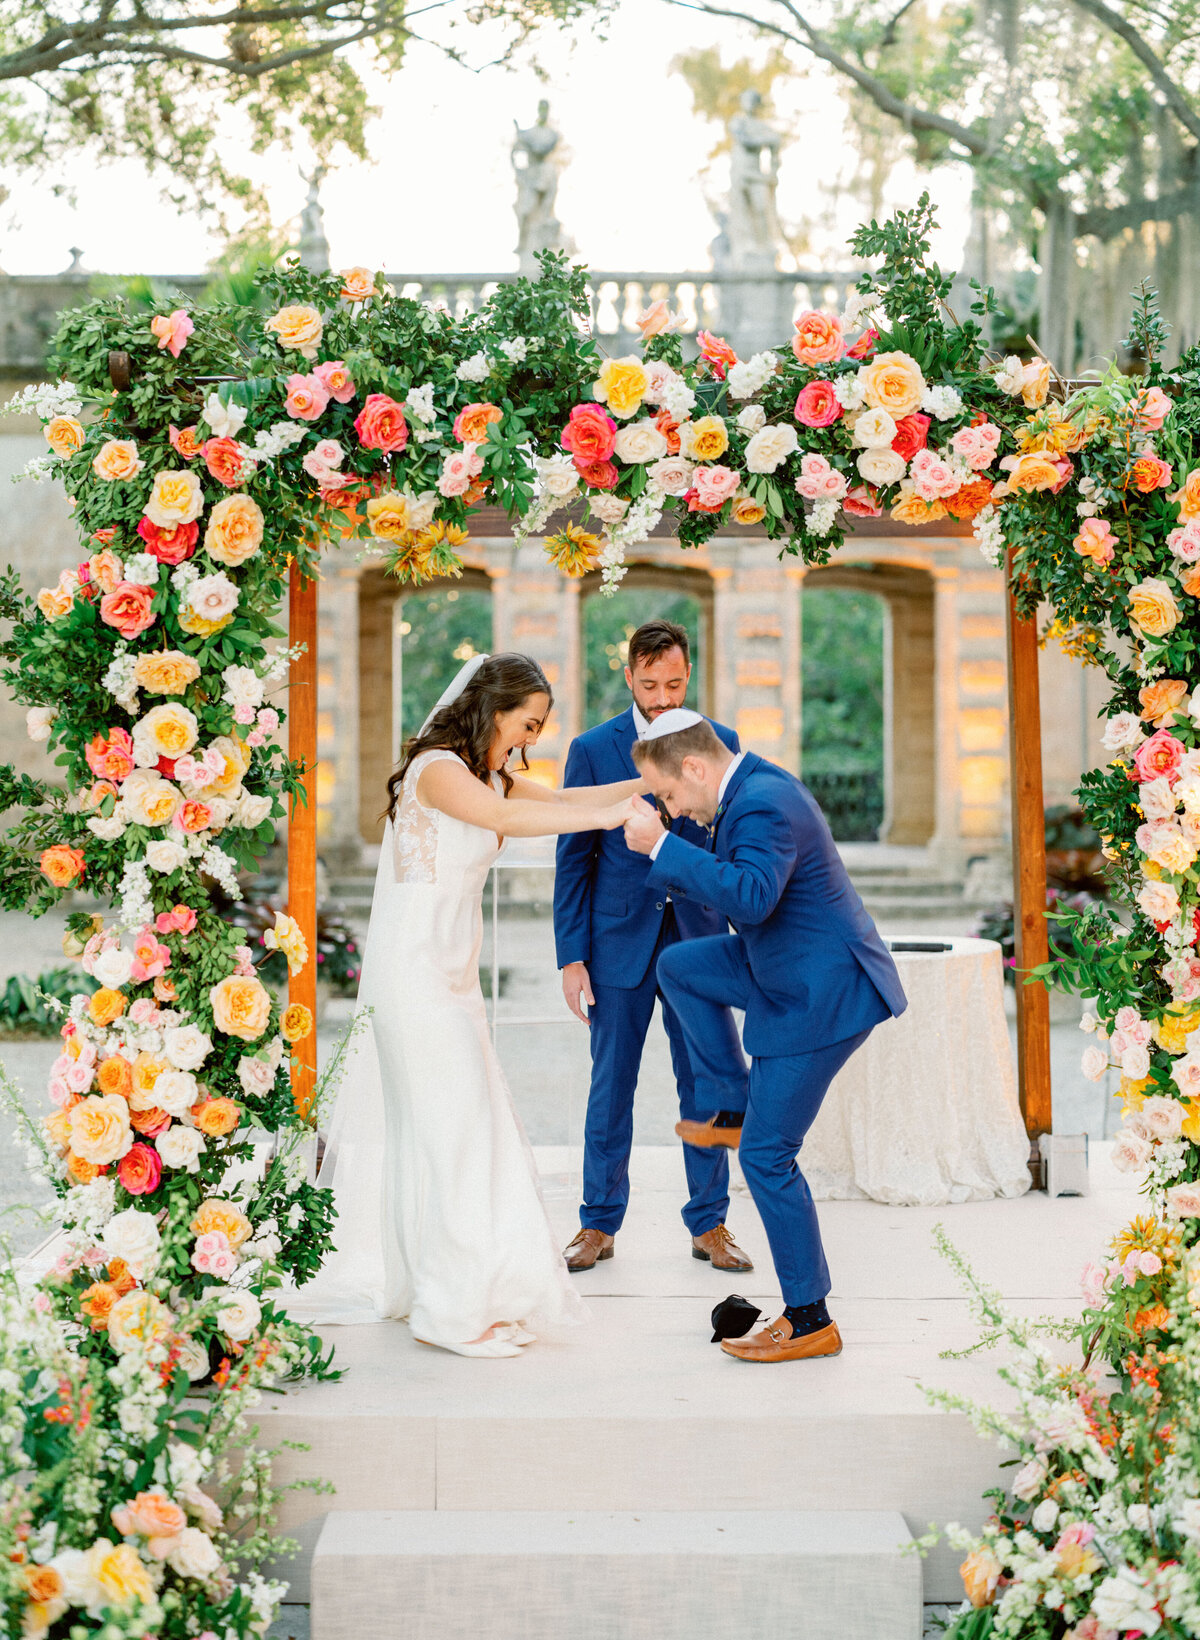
(643,827)
(577,988)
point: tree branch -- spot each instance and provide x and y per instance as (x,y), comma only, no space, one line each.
(1144,52)
(1107,221)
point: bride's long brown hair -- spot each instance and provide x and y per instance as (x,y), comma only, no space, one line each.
(468,725)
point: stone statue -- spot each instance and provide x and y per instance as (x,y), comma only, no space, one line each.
(314,247)
(755,238)
(538,229)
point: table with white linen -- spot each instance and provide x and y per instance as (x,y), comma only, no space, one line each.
(926,1111)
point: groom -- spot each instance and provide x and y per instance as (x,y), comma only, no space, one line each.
(610,928)
(806,964)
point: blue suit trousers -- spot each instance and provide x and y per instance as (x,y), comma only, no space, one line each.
(619,1022)
(781,1096)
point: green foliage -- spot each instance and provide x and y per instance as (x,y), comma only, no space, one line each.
(842,683)
(27,1003)
(444,625)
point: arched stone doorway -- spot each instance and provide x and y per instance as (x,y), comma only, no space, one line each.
(387,620)
(648,591)
(910,690)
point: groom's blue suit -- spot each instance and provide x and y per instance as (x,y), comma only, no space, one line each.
(808,967)
(606,915)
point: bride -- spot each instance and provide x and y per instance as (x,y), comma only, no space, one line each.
(440,1217)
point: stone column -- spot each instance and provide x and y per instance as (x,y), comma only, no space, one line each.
(337,715)
(980,677)
(536,613)
(945,844)
(756,625)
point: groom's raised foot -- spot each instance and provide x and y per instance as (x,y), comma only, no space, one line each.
(718,1248)
(589,1247)
(725,1128)
(778,1342)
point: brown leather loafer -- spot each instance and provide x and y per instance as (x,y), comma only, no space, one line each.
(718,1248)
(707,1134)
(776,1343)
(589,1247)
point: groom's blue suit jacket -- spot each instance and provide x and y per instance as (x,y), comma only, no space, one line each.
(604,912)
(819,971)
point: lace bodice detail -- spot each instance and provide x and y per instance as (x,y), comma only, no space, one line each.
(431,847)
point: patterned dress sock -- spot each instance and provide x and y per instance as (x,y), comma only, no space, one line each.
(807,1318)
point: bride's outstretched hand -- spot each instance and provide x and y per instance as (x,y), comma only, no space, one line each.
(616,814)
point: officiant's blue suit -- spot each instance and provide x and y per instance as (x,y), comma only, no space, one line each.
(606,915)
(808,967)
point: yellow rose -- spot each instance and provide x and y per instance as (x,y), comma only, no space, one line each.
(169,730)
(117,458)
(146,1070)
(296,1024)
(100,1130)
(387,515)
(746,510)
(622,385)
(1134,1093)
(227,1217)
(120,1572)
(64,435)
(892,382)
(1188,498)
(105,1005)
(1171,1032)
(358,285)
(137,1318)
(1152,606)
(1035,383)
(241,1006)
(1191,1122)
(910,508)
(287,936)
(199,626)
(235,530)
(1032,471)
(165,671)
(175,498)
(704,440)
(148,799)
(237,760)
(297,327)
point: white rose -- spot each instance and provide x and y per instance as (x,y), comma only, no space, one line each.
(561,482)
(250,810)
(243,686)
(192,1357)
(1094,1063)
(609,509)
(38,720)
(1130,1152)
(1122,732)
(165,856)
(181,1147)
(751,418)
(769,447)
(143,788)
(672,475)
(881,466)
(1163,1117)
(212,597)
(113,967)
(226,420)
(876,429)
(1010,377)
(639,441)
(133,1236)
(1029,1479)
(106,830)
(193,1553)
(187,1047)
(1044,1516)
(238,1314)
(1135,1062)
(257,1076)
(176,1092)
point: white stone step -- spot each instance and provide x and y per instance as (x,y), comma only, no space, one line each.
(444,1575)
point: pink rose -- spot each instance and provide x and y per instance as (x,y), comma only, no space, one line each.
(1095,1063)
(817,405)
(268,719)
(1091,1283)
(977,445)
(458,470)
(590,434)
(128,608)
(931,476)
(654,319)
(173,330)
(1149,1263)
(1152,407)
(143,1011)
(860,502)
(380,424)
(819,480)
(1160,755)
(335,379)
(1184,542)
(307,396)
(1096,541)
(1183,1201)
(712,488)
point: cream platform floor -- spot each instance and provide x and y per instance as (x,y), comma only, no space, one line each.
(640,1412)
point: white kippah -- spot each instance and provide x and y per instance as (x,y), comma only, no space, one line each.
(671,722)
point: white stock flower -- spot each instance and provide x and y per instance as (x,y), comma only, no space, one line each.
(848,391)
(143,569)
(515,350)
(108,830)
(943,403)
(474,369)
(418,401)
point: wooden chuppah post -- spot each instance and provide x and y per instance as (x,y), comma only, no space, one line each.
(1029,876)
(302,822)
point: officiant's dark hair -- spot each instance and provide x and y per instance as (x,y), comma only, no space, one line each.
(467,725)
(655,638)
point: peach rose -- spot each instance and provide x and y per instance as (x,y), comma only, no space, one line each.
(100,1130)
(166,671)
(150,1514)
(116,459)
(1149,473)
(105,569)
(380,424)
(716,352)
(1035,383)
(61,865)
(622,384)
(59,600)
(862,502)
(235,530)
(154,1119)
(307,397)
(358,285)
(172,330)
(1161,700)
(96,1301)
(387,515)
(144,1074)
(336,380)
(215,1117)
(149,799)
(225,1217)
(472,422)
(1032,471)
(980,1573)
(166,731)
(1096,541)
(746,510)
(892,382)
(193,815)
(64,435)
(1153,609)
(137,1318)
(298,328)
(175,498)
(128,608)
(114,1075)
(819,338)
(296,1024)
(1152,407)
(1187,499)
(910,508)
(227,462)
(652,321)
(185,441)
(241,1007)
(705,439)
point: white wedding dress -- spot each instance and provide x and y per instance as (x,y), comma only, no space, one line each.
(440,1216)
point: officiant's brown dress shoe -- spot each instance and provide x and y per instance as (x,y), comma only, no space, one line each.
(589,1247)
(777,1343)
(707,1134)
(718,1248)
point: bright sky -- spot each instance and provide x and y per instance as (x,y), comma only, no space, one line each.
(438,195)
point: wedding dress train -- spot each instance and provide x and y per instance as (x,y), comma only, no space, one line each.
(440,1216)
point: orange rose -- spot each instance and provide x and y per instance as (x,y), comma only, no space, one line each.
(62,864)
(167,671)
(81,1171)
(151,1121)
(1035,383)
(215,1117)
(358,285)
(1160,701)
(115,1075)
(105,567)
(58,600)
(185,441)
(380,424)
(980,1573)
(64,435)
(224,459)
(151,1515)
(297,327)
(472,422)
(818,339)
(1190,581)
(96,1301)
(43,1584)
(1188,498)
(296,1023)
(120,1278)
(235,530)
(193,816)
(117,459)
(241,1006)
(1150,473)
(892,382)
(910,508)
(227,1217)
(972,498)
